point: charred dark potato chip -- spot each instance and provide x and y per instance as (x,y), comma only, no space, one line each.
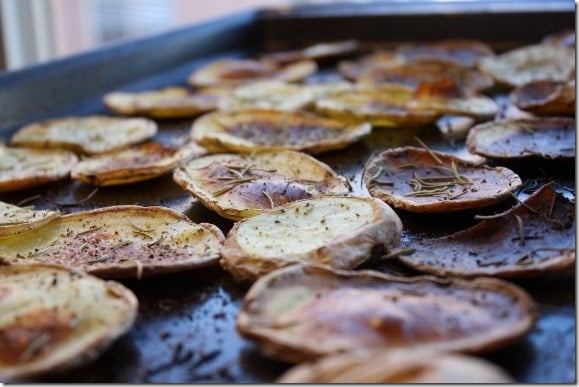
(546,98)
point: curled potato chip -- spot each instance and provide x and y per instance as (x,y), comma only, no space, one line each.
(54,319)
(318,52)
(15,219)
(420,180)
(337,231)
(238,71)
(86,135)
(546,98)
(258,130)
(538,62)
(168,102)
(396,367)
(304,312)
(540,138)
(119,241)
(133,164)
(25,167)
(241,186)
(532,239)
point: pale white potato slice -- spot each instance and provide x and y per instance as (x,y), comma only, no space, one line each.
(25,167)
(133,164)
(86,135)
(418,180)
(305,312)
(241,186)
(15,219)
(119,241)
(238,71)
(337,231)
(168,102)
(259,130)
(396,367)
(53,319)
(538,62)
(267,94)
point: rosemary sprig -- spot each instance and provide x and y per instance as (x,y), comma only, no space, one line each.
(76,203)
(520,228)
(269,198)
(34,346)
(99,259)
(430,152)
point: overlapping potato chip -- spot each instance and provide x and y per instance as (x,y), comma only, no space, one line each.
(538,62)
(119,241)
(274,95)
(532,239)
(340,232)
(319,52)
(241,186)
(53,319)
(25,167)
(133,164)
(420,180)
(15,219)
(539,138)
(86,135)
(462,52)
(168,102)
(238,71)
(305,312)
(258,130)
(546,98)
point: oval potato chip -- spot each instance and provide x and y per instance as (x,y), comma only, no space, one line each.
(16,220)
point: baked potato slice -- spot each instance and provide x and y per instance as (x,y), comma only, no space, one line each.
(53,319)
(320,52)
(260,130)
(241,186)
(16,220)
(525,139)
(86,135)
(534,238)
(340,232)
(546,98)
(304,312)
(133,164)
(119,242)
(26,167)
(420,180)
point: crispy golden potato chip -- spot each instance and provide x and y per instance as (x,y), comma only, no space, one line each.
(87,135)
(538,62)
(168,102)
(54,319)
(386,367)
(420,180)
(238,71)
(546,98)
(241,186)
(275,95)
(337,231)
(15,219)
(119,242)
(259,130)
(319,52)
(532,239)
(25,167)
(530,139)
(133,164)
(304,312)
(462,52)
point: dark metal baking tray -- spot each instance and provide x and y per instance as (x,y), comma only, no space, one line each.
(185,330)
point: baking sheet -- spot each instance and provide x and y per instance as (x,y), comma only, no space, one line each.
(185,330)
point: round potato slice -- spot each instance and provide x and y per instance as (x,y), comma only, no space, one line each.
(53,319)
(118,242)
(419,180)
(318,52)
(238,71)
(275,95)
(304,312)
(539,62)
(530,139)
(385,106)
(532,239)
(546,98)
(396,367)
(86,135)
(24,167)
(169,102)
(130,165)
(241,186)
(462,52)
(16,220)
(259,130)
(337,231)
